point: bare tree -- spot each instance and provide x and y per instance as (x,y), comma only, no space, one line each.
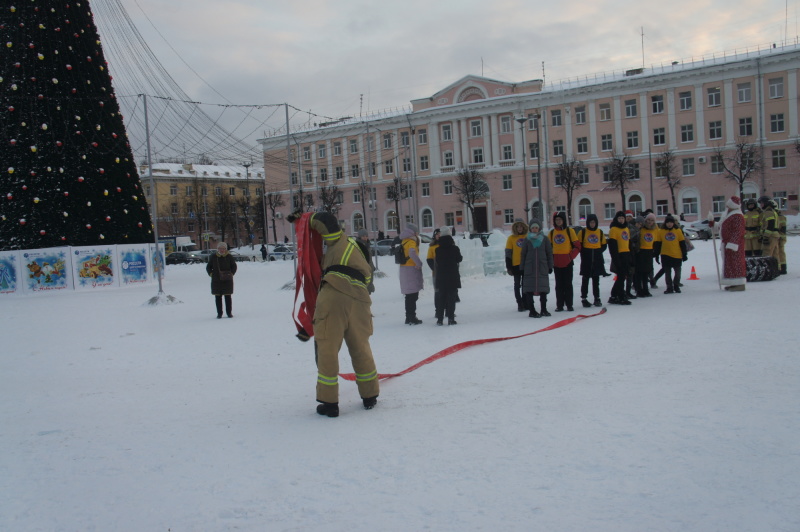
(274,200)
(329,198)
(667,168)
(741,164)
(471,188)
(364,190)
(619,174)
(243,206)
(224,214)
(569,178)
(396,192)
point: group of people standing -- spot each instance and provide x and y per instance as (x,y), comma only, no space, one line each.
(765,231)
(632,243)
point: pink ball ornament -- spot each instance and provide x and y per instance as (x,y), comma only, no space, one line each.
(22,221)
(108,218)
(80,179)
(42,232)
(88,226)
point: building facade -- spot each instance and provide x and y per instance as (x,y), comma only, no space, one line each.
(680,134)
(211,203)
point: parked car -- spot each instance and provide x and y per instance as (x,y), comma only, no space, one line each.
(280,252)
(425,239)
(382,247)
(240,258)
(205,254)
(182,257)
(702,228)
(690,233)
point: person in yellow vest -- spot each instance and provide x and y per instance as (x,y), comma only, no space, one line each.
(752,235)
(593,245)
(782,241)
(648,235)
(513,252)
(670,250)
(770,237)
(566,247)
(619,246)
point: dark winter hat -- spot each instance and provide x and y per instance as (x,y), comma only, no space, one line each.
(535,222)
(639,220)
(362,233)
(436,231)
(669,218)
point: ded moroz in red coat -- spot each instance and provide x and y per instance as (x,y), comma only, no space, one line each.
(731,232)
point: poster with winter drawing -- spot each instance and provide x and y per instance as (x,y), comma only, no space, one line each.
(94,267)
(45,270)
(133,262)
(9,272)
(157,260)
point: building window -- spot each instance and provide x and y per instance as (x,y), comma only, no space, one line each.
(606,143)
(533,122)
(448,187)
(477,155)
(337,148)
(688,166)
(776,123)
(426,190)
(606,173)
(388,167)
(636,203)
(714,97)
(422,136)
(358,221)
(373,168)
(659,136)
(662,207)
(321,151)
(689,205)
(779,158)
(448,158)
(605,111)
(508,216)
(685,99)
(658,104)
(780,199)
(745,126)
(558,148)
(357,195)
(630,109)
(505,124)
(173,190)
(309,178)
(534,179)
(661,169)
(423,162)
(533,149)
(555,117)
(307,153)
(633,139)
(447,132)
(718,203)
(507,154)
(580,114)
(776,88)
(583,144)
(174,209)
(339,172)
(387,141)
(405,139)
(189,190)
(609,210)
(323,174)
(353,146)
(476,128)
(449,219)
(717,166)
(218,190)
(427,218)
(715,130)
(355,171)
(634,170)
(583,175)
(687,133)
(744,92)
(204,191)
(506,182)
(584,209)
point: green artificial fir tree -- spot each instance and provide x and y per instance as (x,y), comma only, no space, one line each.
(67,173)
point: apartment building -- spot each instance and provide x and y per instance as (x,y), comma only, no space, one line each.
(211,203)
(679,133)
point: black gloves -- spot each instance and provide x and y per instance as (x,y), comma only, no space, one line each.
(294,216)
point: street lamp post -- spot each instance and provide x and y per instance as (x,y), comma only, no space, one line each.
(521,120)
(247,199)
(538,118)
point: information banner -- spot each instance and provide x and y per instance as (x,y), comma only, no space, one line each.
(134,261)
(9,273)
(94,267)
(45,270)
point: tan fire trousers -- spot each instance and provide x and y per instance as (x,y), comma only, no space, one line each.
(340,317)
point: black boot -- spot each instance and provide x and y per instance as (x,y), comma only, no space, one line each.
(328,409)
(369,402)
(783,269)
(218,302)
(543,301)
(585,303)
(413,320)
(520,306)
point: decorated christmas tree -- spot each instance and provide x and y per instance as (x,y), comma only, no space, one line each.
(67,173)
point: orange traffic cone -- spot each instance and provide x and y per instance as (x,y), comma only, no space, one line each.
(693,276)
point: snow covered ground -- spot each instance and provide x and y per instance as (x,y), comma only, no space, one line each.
(679,412)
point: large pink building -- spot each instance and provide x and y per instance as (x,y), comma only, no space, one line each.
(519,136)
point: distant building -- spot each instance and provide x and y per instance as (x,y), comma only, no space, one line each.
(402,167)
(210,203)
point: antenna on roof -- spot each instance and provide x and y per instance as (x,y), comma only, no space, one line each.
(642,46)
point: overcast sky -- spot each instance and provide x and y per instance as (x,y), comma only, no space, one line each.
(322,55)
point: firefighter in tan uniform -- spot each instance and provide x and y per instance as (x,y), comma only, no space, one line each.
(752,233)
(342,314)
(782,241)
(770,237)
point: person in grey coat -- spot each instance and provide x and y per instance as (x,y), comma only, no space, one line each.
(411,282)
(536,263)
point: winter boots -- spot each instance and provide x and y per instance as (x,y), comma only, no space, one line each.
(369,402)
(585,303)
(413,320)
(329,409)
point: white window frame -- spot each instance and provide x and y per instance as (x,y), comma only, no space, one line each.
(744,92)
(476,128)
(447,132)
(776,88)
(607,142)
(687,133)
(633,139)
(631,109)
(685,99)
(505,124)
(714,95)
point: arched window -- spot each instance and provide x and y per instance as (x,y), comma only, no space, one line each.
(358,221)
(427,219)
(584,209)
(392,221)
(635,203)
